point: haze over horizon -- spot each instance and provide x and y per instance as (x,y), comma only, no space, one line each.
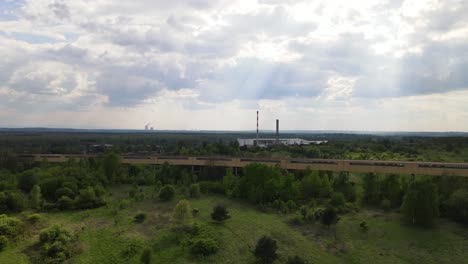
(388,65)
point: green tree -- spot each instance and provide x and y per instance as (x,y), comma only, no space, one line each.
(3,242)
(220,213)
(391,189)
(181,215)
(421,203)
(110,165)
(265,250)
(343,185)
(230,183)
(325,187)
(27,180)
(337,200)
(329,217)
(371,185)
(260,183)
(166,193)
(146,256)
(195,190)
(458,206)
(311,185)
(36,197)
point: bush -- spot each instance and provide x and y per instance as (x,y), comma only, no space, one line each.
(34,218)
(181,215)
(386,204)
(291,205)
(140,218)
(315,214)
(204,246)
(64,191)
(421,203)
(297,219)
(130,250)
(329,217)
(56,244)
(88,199)
(146,256)
(265,250)
(3,242)
(364,227)
(220,213)
(10,226)
(458,206)
(166,193)
(65,203)
(295,260)
(212,187)
(195,190)
(124,203)
(337,200)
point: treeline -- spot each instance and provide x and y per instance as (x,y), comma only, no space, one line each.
(346,146)
(82,184)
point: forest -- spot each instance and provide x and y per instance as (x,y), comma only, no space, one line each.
(98,210)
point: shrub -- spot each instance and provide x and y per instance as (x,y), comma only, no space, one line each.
(10,226)
(204,246)
(276,204)
(56,244)
(64,191)
(140,218)
(3,242)
(166,193)
(315,214)
(220,213)
(34,218)
(337,200)
(36,197)
(291,205)
(181,215)
(130,250)
(364,227)
(265,250)
(421,203)
(124,203)
(295,260)
(297,219)
(458,206)
(88,199)
(303,210)
(146,256)
(386,204)
(195,212)
(65,203)
(195,190)
(329,217)
(212,187)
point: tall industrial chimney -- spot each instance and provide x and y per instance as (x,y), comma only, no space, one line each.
(277,131)
(256,142)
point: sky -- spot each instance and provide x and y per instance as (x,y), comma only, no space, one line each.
(375,65)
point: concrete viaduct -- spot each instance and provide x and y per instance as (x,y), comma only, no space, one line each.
(375,166)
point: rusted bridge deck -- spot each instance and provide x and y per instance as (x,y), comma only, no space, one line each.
(376,166)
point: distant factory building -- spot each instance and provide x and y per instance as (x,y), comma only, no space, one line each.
(266,142)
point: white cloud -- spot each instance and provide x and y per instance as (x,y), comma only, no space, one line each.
(343,60)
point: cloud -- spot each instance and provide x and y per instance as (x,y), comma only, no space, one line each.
(130,54)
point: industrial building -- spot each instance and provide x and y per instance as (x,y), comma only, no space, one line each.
(265,142)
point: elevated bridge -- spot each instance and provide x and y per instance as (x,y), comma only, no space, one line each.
(375,166)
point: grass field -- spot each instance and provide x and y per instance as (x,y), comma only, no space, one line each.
(107,235)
